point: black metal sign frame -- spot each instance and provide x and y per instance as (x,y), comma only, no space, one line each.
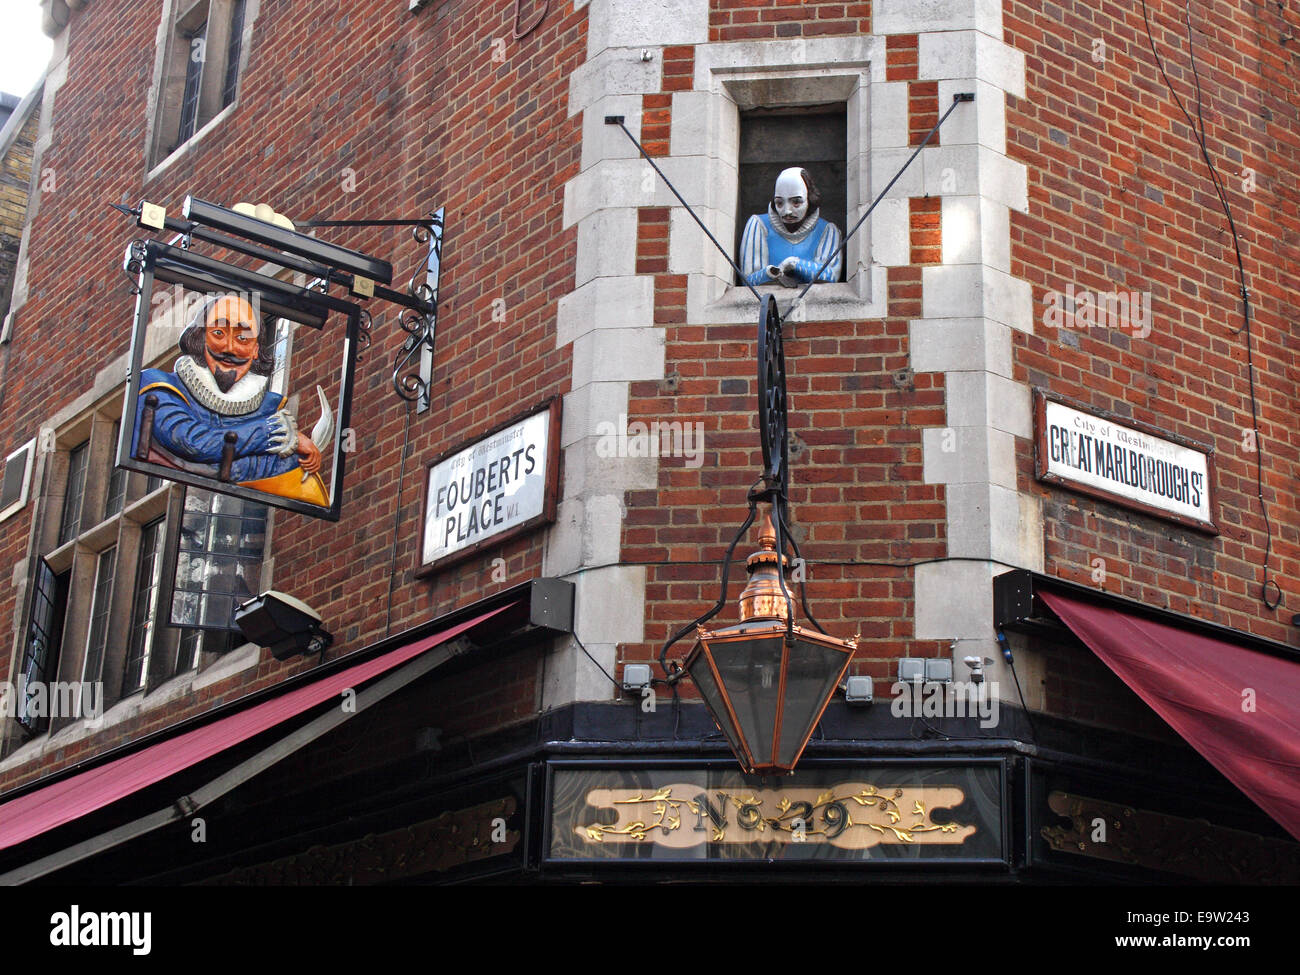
(153,261)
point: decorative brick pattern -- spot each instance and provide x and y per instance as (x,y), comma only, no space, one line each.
(901,57)
(927,241)
(652,240)
(923,112)
(656,123)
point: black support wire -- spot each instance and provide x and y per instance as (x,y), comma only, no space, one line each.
(619,121)
(957,99)
(676,675)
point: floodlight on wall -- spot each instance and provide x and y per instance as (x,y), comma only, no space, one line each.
(283,624)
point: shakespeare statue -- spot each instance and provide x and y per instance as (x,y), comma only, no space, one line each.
(215,416)
(789,244)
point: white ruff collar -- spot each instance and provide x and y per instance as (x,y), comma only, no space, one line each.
(244,397)
(794,236)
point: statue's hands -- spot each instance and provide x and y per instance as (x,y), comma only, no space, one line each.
(787,273)
(309,454)
(284,434)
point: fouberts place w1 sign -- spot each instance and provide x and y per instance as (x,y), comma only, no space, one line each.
(496,488)
(1126,463)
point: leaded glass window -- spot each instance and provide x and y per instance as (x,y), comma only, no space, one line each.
(44,638)
(100,607)
(70,526)
(144,607)
(219,561)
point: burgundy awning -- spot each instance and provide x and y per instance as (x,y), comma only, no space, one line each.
(1239,708)
(76,796)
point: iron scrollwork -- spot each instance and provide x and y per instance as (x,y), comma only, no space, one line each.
(413,371)
(133,264)
(772,423)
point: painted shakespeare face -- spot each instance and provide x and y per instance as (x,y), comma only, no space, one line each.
(230,340)
(790,199)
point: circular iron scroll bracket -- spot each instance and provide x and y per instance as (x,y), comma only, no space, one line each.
(772,400)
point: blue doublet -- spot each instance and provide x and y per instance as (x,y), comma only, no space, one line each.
(763,244)
(191,432)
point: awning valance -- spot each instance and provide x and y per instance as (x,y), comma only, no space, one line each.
(78,795)
(1238,707)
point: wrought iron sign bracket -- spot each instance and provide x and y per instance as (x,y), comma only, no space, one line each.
(363,276)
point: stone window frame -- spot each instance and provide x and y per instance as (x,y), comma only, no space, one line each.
(745,75)
(168,84)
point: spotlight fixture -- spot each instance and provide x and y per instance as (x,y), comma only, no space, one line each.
(283,624)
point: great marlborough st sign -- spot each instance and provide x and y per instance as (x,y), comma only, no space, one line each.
(1127,463)
(500,486)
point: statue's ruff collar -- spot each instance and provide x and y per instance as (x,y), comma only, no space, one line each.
(244,397)
(804,229)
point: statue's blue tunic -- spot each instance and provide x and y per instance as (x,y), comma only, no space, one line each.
(189,430)
(762,244)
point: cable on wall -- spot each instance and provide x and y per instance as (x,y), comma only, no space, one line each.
(1269,585)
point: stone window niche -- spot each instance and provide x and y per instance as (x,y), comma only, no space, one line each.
(815,94)
(772,140)
(202,54)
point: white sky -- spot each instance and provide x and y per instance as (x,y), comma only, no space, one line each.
(24,50)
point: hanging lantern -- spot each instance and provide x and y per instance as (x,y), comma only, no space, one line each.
(765,681)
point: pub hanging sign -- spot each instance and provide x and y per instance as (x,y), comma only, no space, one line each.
(1127,463)
(500,486)
(222,411)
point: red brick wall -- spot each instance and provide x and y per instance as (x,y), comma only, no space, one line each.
(925,225)
(1120,199)
(748,20)
(856,491)
(424,116)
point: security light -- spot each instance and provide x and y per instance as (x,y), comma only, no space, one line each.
(283,624)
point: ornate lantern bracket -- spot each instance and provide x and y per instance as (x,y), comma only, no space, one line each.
(765,680)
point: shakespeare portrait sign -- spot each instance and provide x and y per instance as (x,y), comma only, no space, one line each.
(222,410)
(499,486)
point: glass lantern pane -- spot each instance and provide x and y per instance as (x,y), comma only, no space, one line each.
(750,671)
(811,676)
(702,675)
